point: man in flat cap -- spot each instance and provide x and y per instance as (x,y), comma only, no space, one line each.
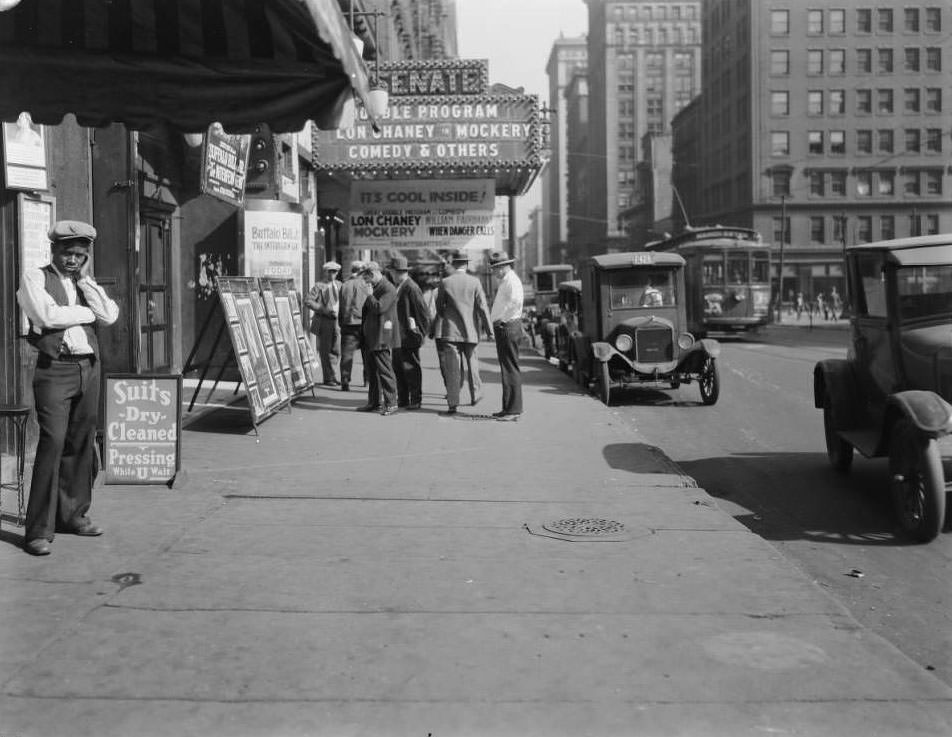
(353,292)
(461,314)
(507,332)
(413,323)
(380,337)
(63,302)
(324,299)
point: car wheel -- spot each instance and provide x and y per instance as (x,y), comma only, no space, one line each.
(917,485)
(605,384)
(838,450)
(709,382)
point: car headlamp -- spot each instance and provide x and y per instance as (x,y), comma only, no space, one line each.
(685,341)
(623,343)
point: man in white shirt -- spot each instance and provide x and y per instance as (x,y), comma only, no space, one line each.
(62,302)
(506,316)
(324,299)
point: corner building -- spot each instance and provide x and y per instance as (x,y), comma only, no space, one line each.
(824,125)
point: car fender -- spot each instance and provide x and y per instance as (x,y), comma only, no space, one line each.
(693,359)
(835,377)
(926,410)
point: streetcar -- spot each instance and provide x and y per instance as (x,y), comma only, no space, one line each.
(727,277)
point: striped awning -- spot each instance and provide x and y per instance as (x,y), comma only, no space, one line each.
(181,63)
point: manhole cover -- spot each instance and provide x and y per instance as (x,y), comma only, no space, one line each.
(585,527)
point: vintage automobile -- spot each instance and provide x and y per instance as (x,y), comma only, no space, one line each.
(631,327)
(890,396)
(569,300)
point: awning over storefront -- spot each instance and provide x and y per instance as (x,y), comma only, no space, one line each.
(182,63)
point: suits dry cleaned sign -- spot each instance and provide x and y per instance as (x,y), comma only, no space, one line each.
(455,213)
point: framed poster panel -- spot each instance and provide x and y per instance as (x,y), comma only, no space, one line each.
(308,352)
(142,428)
(267,338)
(35,216)
(279,309)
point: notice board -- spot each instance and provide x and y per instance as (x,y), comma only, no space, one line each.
(142,428)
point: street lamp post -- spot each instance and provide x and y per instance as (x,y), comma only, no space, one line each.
(783,237)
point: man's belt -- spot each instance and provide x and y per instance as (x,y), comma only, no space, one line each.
(75,357)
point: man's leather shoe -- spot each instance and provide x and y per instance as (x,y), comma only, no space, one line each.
(367,408)
(413,405)
(344,386)
(39,546)
(388,410)
(87,529)
(507,415)
(449,411)
(476,401)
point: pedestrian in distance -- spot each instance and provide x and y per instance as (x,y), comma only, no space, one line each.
(324,300)
(462,312)
(413,323)
(506,318)
(380,333)
(353,293)
(63,302)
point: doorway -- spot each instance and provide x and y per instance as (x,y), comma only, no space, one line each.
(154,298)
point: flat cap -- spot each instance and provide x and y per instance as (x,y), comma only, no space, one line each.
(370,266)
(356,267)
(399,263)
(331,266)
(69,230)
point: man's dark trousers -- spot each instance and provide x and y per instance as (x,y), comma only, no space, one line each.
(382,390)
(409,373)
(508,336)
(67,406)
(349,345)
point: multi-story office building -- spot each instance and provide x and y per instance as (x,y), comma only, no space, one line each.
(415,29)
(568,55)
(581,208)
(644,65)
(825,124)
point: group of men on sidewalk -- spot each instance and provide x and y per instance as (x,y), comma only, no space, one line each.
(387,315)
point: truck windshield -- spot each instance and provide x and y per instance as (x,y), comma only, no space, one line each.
(641,288)
(924,291)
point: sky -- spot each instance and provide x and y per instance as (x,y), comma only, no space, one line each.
(516,36)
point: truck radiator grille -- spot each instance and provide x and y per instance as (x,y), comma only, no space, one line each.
(654,345)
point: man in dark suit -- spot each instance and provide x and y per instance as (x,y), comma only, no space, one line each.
(381,335)
(353,292)
(462,313)
(63,302)
(413,322)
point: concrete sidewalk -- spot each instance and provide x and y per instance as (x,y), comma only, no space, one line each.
(344,573)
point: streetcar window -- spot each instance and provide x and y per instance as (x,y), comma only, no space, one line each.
(737,269)
(761,268)
(642,288)
(712,270)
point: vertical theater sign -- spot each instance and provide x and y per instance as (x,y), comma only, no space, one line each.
(427,176)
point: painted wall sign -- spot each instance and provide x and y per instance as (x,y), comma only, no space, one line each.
(225,165)
(423,214)
(142,428)
(273,242)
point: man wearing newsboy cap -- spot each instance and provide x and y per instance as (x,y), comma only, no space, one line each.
(63,302)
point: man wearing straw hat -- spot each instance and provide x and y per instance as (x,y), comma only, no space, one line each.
(507,332)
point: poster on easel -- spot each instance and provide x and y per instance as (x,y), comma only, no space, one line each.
(312,362)
(288,353)
(238,296)
(302,373)
(275,364)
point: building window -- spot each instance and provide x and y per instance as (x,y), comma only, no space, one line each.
(864,20)
(887,227)
(839,228)
(779,22)
(884,61)
(814,61)
(915,225)
(817,230)
(815,142)
(933,20)
(911,102)
(838,183)
(864,61)
(780,62)
(912,184)
(817,188)
(781,230)
(864,184)
(864,229)
(779,143)
(837,102)
(837,143)
(934,140)
(864,141)
(864,101)
(910,20)
(654,106)
(913,140)
(934,100)
(911,63)
(780,103)
(780,183)
(837,22)
(887,183)
(837,61)
(886,141)
(933,59)
(932,224)
(814,22)
(815,102)
(885,20)
(885,99)
(933,182)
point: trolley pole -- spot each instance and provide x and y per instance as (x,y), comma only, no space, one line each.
(783,237)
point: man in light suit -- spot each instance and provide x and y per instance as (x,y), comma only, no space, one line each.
(462,313)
